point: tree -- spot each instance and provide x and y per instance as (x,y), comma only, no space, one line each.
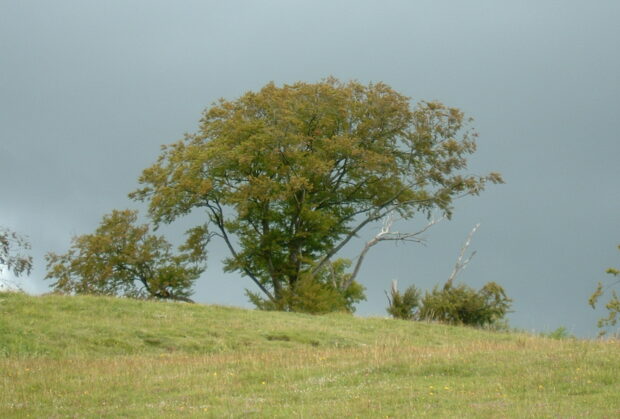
(12,256)
(122,258)
(612,306)
(289,175)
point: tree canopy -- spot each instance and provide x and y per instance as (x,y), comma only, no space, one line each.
(287,176)
(122,258)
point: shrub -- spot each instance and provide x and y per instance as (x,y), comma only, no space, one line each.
(403,306)
(317,294)
(462,304)
(452,304)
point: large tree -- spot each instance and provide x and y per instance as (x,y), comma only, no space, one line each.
(289,175)
(123,258)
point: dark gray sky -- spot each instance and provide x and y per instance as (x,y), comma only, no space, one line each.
(89,90)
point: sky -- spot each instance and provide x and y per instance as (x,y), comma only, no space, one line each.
(90,90)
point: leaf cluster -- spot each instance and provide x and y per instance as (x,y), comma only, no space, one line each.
(12,253)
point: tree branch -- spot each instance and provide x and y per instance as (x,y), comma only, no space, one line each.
(386,234)
(380,212)
(460,263)
(218,215)
(349,236)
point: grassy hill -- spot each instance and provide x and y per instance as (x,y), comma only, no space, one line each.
(106,357)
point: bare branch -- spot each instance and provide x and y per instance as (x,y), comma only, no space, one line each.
(393,291)
(460,263)
(386,234)
(380,212)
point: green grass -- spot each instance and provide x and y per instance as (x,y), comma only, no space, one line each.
(106,357)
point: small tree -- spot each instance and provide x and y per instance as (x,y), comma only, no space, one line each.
(12,256)
(122,258)
(612,306)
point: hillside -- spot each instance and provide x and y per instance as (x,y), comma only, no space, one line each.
(93,357)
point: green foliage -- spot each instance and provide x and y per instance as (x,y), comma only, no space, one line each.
(288,175)
(462,304)
(403,306)
(320,293)
(122,258)
(612,306)
(12,256)
(459,305)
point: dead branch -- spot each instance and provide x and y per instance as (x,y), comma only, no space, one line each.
(386,234)
(460,263)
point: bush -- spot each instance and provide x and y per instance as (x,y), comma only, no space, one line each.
(316,294)
(463,305)
(451,304)
(403,306)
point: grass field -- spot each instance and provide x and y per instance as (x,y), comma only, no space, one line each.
(105,357)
